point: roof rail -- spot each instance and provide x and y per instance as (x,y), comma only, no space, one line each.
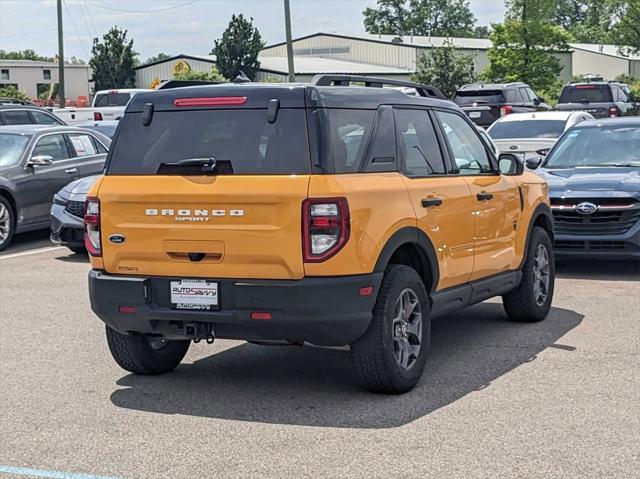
(375,82)
(14,101)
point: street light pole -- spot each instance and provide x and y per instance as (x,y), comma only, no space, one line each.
(287,23)
(60,57)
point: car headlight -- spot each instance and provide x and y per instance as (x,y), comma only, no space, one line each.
(59,200)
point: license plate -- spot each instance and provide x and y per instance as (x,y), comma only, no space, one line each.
(475,114)
(195,294)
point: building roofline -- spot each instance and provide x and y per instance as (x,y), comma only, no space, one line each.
(175,57)
(619,57)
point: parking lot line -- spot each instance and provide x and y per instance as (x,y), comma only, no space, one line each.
(34,251)
(26,471)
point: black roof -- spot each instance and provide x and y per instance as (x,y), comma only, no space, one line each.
(290,95)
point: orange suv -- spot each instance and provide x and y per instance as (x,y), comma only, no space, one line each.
(323,213)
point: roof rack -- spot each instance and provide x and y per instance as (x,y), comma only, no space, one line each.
(14,101)
(375,82)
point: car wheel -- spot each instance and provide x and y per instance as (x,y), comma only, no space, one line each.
(144,354)
(531,300)
(391,355)
(7,223)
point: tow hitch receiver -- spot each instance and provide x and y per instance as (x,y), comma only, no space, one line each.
(199,331)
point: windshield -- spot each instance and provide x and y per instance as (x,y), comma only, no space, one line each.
(241,141)
(112,99)
(597,146)
(478,96)
(586,94)
(527,129)
(12,147)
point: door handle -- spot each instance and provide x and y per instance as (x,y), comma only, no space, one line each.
(483,195)
(71,171)
(429,202)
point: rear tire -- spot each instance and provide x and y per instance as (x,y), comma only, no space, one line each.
(7,223)
(391,355)
(531,300)
(145,355)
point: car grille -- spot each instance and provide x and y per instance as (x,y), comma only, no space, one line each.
(75,208)
(562,245)
(615,216)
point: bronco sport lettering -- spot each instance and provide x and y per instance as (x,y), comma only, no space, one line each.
(340,215)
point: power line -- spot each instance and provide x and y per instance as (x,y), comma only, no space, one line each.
(164,9)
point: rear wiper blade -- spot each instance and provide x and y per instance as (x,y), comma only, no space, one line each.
(196,166)
(208,164)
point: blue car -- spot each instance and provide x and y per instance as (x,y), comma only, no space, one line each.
(593,173)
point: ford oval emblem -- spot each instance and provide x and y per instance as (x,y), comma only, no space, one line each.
(513,147)
(586,208)
(116,238)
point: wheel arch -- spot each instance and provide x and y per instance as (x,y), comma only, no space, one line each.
(7,195)
(543,218)
(412,247)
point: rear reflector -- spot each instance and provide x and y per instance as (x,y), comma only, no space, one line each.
(126,309)
(261,316)
(215,101)
(366,291)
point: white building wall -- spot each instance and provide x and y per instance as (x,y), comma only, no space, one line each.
(164,71)
(27,77)
(634,68)
(607,66)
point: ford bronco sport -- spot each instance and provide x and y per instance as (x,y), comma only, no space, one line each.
(324,213)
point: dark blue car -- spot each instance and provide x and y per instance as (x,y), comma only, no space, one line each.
(593,174)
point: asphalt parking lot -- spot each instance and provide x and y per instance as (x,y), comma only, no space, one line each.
(559,398)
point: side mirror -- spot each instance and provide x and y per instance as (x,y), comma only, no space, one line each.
(40,160)
(510,165)
(537,101)
(543,151)
(533,162)
(541,100)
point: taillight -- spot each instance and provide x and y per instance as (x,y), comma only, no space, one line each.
(97,116)
(92,227)
(505,110)
(325,227)
(614,111)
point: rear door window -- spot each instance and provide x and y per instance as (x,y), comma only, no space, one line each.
(83,145)
(15,117)
(241,141)
(586,94)
(43,119)
(418,143)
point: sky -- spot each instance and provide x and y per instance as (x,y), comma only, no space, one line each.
(180,26)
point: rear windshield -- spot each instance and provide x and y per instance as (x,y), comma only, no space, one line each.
(112,99)
(527,129)
(478,96)
(243,140)
(586,94)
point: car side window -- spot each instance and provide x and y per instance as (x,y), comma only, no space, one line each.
(82,144)
(99,147)
(418,143)
(43,119)
(54,146)
(512,96)
(15,117)
(469,151)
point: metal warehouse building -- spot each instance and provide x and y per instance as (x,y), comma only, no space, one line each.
(605,60)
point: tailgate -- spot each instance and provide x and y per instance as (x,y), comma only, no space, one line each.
(238,226)
(482,115)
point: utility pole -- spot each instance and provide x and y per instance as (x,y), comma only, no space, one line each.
(287,25)
(60,57)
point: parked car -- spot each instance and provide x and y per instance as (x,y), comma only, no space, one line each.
(533,134)
(106,127)
(36,161)
(599,98)
(484,103)
(67,214)
(107,105)
(225,211)
(25,114)
(593,173)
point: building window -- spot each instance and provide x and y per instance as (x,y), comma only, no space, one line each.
(4,74)
(46,74)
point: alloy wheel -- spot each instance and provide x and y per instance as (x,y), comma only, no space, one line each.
(5,223)
(541,274)
(407,329)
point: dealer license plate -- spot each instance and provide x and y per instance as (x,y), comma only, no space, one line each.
(475,114)
(194,294)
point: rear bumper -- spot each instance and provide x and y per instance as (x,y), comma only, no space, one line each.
(324,311)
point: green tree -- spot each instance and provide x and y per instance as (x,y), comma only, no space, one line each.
(439,18)
(445,68)
(12,92)
(523,46)
(587,21)
(238,48)
(24,55)
(113,61)
(626,32)
(211,75)
(157,58)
